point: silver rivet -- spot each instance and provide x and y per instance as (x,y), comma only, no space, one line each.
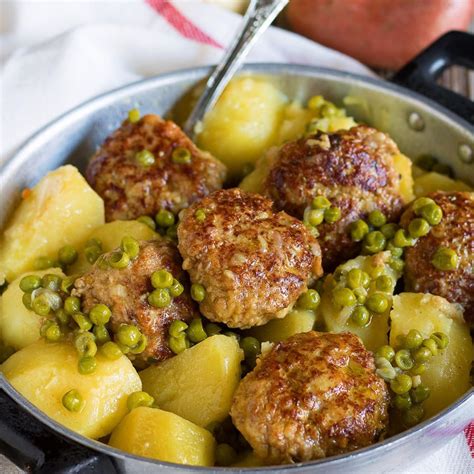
(465,153)
(416,122)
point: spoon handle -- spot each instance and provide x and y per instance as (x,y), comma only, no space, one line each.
(258,17)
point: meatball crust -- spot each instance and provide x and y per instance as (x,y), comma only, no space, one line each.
(130,190)
(125,292)
(455,231)
(254,263)
(311,396)
(353,168)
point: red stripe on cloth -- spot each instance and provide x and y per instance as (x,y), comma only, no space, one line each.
(469,432)
(180,23)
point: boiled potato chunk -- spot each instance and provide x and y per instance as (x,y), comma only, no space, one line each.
(297,321)
(244,123)
(111,235)
(447,374)
(61,209)
(432,181)
(43,372)
(338,319)
(158,434)
(403,165)
(199,383)
(20,326)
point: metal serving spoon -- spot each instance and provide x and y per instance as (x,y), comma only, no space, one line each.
(258,17)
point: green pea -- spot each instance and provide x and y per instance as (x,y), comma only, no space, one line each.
(181,156)
(130,246)
(426,162)
(176,288)
(133,115)
(101,334)
(403,359)
(376,270)
(162,279)
(388,230)
(314,217)
(200,215)
(26,299)
(52,332)
(441,339)
(43,263)
(445,259)
(73,401)
(111,350)
(421,202)
(50,281)
(145,158)
(431,345)
(401,384)
(320,202)
(418,369)
(396,252)
(432,213)
(82,321)
(141,346)
(360,316)
(359,229)
(177,327)
(419,394)
(403,239)
(396,264)
(198,292)
(148,221)
(196,331)
(413,339)
(384,283)
(402,402)
(225,454)
(67,284)
(30,283)
(386,352)
(309,300)
(118,260)
(360,294)
(87,365)
(62,316)
(413,415)
(72,304)
(377,303)
(128,335)
(212,329)
(374,242)
(92,253)
(339,272)
(159,298)
(423,354)
(100,314)
(165,218)
(172,232)
(418,227)
(343,297)
(332,215)
(85,344)
(178,344)
(41,305)
(251,347)
(139,399)
(67,255)
(377,218)
(124,349)
(355,278)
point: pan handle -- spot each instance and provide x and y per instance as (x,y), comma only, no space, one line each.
(420,74)
(35,448)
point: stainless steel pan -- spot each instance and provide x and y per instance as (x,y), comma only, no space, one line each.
(417,124)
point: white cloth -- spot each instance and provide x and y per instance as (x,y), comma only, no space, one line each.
(57,54)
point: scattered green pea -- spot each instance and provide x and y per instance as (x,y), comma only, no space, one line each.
(50,281)
(85,344)
(26,299)
(73,401)
(148,221)
(320,202)
(196,331)
(139,399)
(200,215)
(198,292)
(83,322)
(360,316)
(62,316)
(165,218)
(343,297)
(360,294)
(423,354)
(92,253)
(43,263)
(418,227)
(377,218)
(413,339)
(118,260)
(100,314)
(332,215)
(30,283)
(130,246)
(354,278)
(314,217)
(418,369)
(431,345)
(402,402)
(432,213)
(403,359)
(41,305)
(421,202)
(377,303)
(72,304)
(101,334)
(178,344)
(87,365)
(128,335)
(386,352)
(445,259)
(176,288)
(67,284)
(419,394)
(396,252)
(159,298)
(389,230)
(441,339)
(403,239)
(309,300)
(251,347)
(145,158)
(162,279)
(396,264)
(212,329)
(374,242)
(67,255)
(359,229)
(141,346)
(384,283)
(133,115)
(401,384)
(53,333)
(177,327)
(413,415)
(181,156)
(111,350)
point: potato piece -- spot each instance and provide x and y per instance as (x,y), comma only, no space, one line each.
(447,375)
(338,320)
(199,383)
(61,209)
(298,320)
(44,372)
(403,165)
(20,326)
(111,235)
(244,123)
(433,181)
(158,434)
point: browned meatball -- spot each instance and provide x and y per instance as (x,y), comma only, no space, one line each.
(130,189)
(253,263)
(313,395)
(125,292)
(353,168)
(456,231)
